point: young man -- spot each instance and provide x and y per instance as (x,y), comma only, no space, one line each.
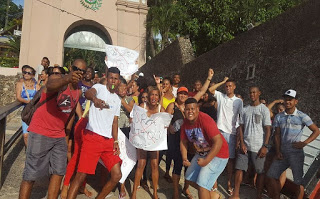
(175,85)
(100,139)
(45,63)
(196,88)
(254,133)
(289,147)
(47,147)
(228,110)
(211,148)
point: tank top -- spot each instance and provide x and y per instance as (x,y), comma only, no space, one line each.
(166,102)
(145,107)
(50,118)
(28,94)
(177,119)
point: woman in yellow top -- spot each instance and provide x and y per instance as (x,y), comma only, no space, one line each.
(167,95)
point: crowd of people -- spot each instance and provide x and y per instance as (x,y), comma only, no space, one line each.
(210,132)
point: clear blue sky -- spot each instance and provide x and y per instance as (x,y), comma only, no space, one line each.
(18,2)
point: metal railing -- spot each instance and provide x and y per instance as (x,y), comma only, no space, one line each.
(4,147)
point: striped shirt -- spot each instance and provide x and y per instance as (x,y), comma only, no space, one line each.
(291,126)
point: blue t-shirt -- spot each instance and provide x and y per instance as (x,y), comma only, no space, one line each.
(291,126)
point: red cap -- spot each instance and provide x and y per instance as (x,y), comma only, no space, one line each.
(182,89)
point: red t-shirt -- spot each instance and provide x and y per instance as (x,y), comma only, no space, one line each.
(201,133)
(50,118)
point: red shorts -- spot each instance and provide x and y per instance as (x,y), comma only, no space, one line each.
(94,147)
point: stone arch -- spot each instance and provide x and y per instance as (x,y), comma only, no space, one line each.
(91,31)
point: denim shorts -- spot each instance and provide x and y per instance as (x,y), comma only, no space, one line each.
(243,162)
(232,142)
(205,176)
(24,127)
(293,158)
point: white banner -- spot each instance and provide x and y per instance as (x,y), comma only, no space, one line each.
(128,155)
(149,133)
(122,58)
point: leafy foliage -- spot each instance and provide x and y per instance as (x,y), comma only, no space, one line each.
(14,11)
(209,23)
(93,58)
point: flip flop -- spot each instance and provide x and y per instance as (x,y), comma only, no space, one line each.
(189,196)
(122,195)
(230,191)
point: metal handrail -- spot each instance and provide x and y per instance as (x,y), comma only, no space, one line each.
(4,147)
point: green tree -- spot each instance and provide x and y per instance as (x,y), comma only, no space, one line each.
(212,22)
(15,11)
(94,59)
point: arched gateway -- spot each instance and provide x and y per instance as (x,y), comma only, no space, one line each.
(49,26)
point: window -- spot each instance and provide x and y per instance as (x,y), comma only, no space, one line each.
(251,71)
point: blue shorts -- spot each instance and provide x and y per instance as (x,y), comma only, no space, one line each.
(293,159)
(232,142)
(24,127)
(205,176)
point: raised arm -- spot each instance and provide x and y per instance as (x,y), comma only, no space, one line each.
(213,88)
(271,105)
(56,82)
(205,85)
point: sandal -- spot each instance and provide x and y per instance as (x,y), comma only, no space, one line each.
(230,191)
(189,196)
(122,195)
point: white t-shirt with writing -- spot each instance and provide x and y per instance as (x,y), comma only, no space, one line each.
(100,121)
(228,112)
(254,119)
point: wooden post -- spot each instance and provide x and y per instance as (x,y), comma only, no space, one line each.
(2,140)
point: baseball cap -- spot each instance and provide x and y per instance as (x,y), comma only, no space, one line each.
(290,93)
(182,89)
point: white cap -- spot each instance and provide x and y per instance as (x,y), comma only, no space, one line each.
(290,93)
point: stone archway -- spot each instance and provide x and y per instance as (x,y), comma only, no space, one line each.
(88,35)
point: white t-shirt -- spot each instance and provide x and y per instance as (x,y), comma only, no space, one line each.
(175,91)
(228,112)
(40,69)
(100,121)
(254,119)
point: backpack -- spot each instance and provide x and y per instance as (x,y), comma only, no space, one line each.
(31,107)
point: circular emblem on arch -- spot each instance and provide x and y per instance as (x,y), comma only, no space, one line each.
(91,4)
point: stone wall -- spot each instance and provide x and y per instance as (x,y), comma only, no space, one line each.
(283,53)
(280,54)
(7,89)
(171,60)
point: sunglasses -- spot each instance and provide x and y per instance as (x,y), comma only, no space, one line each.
(25,72)
(74,68)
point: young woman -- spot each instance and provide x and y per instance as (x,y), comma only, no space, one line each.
(43,77)
(152,107)
(167,95)
(25,91)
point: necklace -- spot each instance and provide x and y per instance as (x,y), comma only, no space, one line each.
(29,84)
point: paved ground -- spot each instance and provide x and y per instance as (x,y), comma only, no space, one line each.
(14,164)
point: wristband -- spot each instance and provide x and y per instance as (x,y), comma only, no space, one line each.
(209,79)
(116,141)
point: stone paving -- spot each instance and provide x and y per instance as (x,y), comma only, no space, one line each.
(14,164)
